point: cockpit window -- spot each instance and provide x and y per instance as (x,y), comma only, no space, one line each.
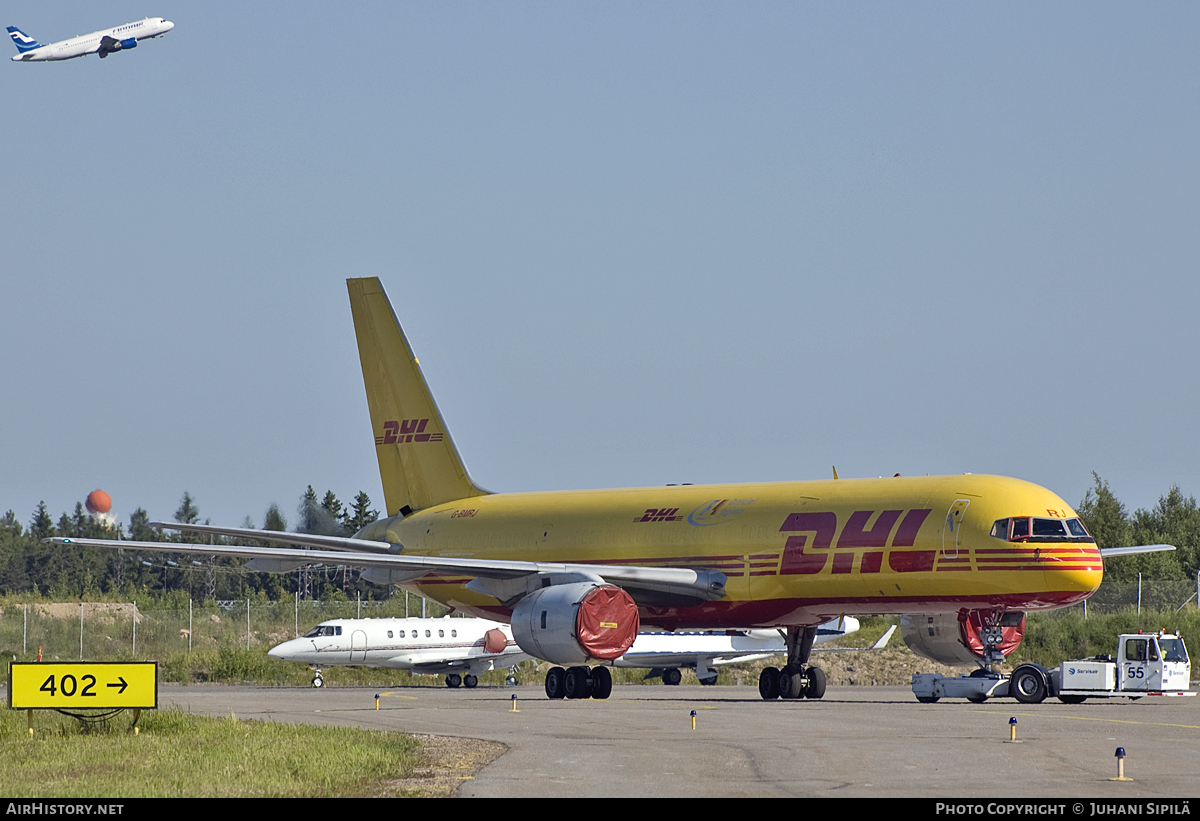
(1039,529)
(323,630)
(1020,529)
(1052,528)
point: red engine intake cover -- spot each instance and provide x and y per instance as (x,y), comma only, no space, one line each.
(607,622)
(494,641)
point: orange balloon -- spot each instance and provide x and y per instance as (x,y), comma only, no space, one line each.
(98,502)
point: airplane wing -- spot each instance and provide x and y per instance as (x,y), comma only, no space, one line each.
(108,42)
(283,537)
(1133,549)
(475,664)
(506,580)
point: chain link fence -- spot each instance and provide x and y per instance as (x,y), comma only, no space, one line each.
(1139,595)
(111,631)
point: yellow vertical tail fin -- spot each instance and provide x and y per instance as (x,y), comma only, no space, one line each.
(418,463)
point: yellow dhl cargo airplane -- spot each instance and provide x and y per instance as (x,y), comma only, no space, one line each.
(578,572)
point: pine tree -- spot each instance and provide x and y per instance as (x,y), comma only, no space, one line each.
(187,513)
(41,526)
(310,517)
(139,527)
(274,519)
(333,506)
(360,514)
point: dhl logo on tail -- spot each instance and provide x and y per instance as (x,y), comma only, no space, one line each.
(405,431)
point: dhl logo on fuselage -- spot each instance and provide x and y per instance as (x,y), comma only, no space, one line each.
(660,514)
(850,549)
(802,557)
(405,431)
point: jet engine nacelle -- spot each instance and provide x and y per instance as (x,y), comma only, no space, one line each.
(129,43)
(958,639)
(572,624)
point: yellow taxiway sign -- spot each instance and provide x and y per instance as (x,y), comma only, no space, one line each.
(83,684)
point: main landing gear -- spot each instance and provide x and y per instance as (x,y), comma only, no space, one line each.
(796,679)
(317,681)
(454,680)
(578,682)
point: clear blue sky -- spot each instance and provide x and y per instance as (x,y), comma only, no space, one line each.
(632,244)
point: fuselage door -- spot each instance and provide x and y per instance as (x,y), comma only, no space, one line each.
(358,646)
(952,528)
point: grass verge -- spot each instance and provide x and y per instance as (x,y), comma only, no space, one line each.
(181,755)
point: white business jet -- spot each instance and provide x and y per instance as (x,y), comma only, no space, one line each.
(459,648)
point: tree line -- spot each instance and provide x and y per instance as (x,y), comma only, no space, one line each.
(1174,520)
(66,571)
(63,571)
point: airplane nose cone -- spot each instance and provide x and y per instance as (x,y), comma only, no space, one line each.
(1076,581)
(168,25)
(278,651)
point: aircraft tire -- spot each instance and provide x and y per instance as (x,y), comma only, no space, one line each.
(453,680)
(768,683)
(708,682)
(470,681)
(816,683)
(791,684)
(575,683)
(672,676)
(1028,684)
(554,683)
(601,682)
(318,681)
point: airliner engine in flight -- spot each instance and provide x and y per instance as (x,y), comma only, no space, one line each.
(103,43)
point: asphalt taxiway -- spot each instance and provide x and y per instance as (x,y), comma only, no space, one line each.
(855,742)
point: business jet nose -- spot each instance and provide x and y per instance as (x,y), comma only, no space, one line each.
(279,651)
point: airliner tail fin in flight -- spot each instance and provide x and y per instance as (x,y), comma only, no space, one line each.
(22,40)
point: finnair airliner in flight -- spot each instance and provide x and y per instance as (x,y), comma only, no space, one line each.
(103,43)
